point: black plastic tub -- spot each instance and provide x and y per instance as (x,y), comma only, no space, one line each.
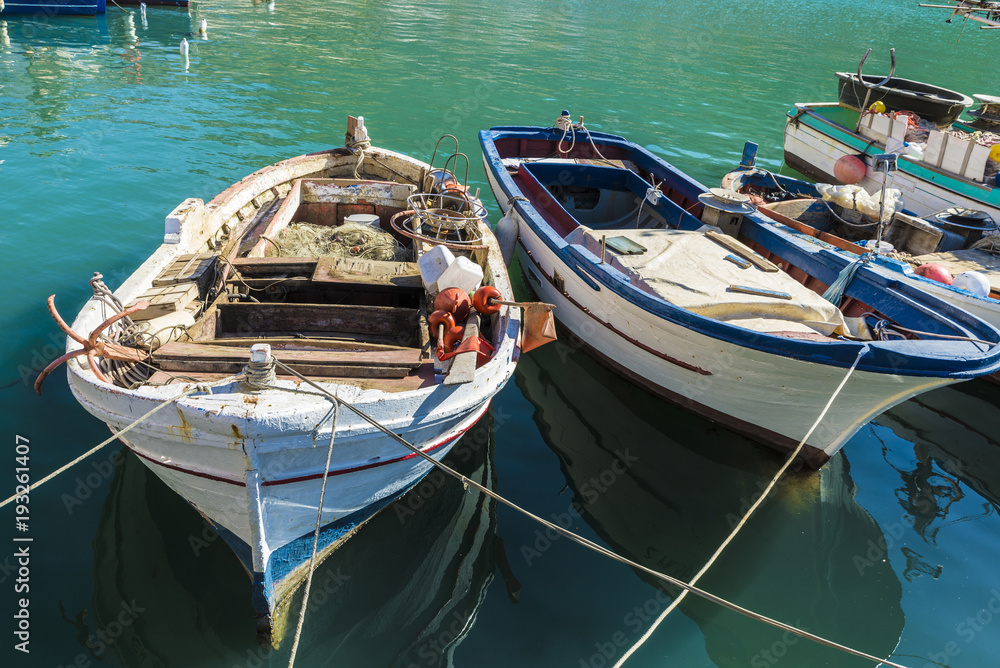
(938,105)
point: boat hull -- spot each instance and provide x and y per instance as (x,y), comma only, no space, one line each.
(44,8)
(265,504)
(712,377)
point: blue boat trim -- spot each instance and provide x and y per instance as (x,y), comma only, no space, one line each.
(762,178)
(935,359)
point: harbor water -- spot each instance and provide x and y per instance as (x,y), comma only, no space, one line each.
(105,127)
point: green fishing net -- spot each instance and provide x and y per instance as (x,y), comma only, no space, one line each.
(349,240)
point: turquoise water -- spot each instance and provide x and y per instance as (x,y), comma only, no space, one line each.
(892,548)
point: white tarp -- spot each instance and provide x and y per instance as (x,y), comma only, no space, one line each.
(689,270)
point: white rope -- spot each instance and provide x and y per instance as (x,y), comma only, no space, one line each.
(360,147)
(746,516)
(468,482)
(197,388)
(565,124)
(319,523)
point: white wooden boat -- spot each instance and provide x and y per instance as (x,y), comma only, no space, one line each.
(728,327)
(252,461)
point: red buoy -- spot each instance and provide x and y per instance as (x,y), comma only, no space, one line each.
(438,319)
(935,272)
(849,169)
(453,300)
(484,295)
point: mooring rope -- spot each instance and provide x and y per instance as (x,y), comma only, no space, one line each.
(468,482)
(361,146)
(202,387)
(319,523)
(746,516)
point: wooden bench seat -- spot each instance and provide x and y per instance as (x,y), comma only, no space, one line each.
(342,362)
(423,376)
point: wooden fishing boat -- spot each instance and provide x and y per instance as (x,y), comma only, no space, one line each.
(952,170)
(732,325)
(249,452)
(54,7)
(954,244)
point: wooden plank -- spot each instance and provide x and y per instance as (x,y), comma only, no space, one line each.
(259,224)
(271,266)
(195,357)
(166,299)
(422,377)
(731,244)
(290,343)
(463,368)
(357,270)
(192,267)
(343,356)
(389,321)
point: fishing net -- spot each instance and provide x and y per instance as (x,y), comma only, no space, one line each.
(348,240)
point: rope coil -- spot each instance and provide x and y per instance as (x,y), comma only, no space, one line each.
(360,146)
(260,376)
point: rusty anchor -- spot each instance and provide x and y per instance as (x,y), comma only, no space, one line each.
(92,346)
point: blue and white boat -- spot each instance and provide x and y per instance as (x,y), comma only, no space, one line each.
(732,326)
(797,207)
(46,8)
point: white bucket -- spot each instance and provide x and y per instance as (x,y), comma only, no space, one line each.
(362,219)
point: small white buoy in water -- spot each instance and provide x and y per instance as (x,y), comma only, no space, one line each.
(142,12)
(203,28)
(184,53)
(507,235)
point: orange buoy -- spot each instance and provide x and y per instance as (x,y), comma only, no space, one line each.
(452,337)
(849,169)
(935,272)
(455,301)
(439,319)
(484,295)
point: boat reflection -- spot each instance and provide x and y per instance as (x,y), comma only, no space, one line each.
(955,448)
(804,558)
(405,591)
